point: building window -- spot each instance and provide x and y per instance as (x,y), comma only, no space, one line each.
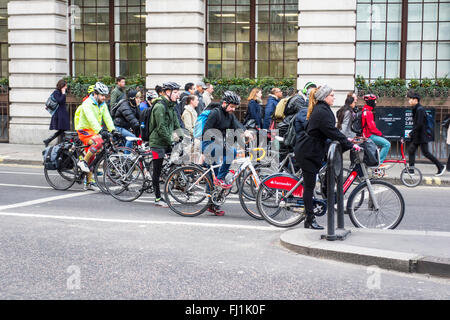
(406,39)
(107,37)
(252,38)
(4,38)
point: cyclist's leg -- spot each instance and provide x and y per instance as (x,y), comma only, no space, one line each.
(157,162)
(383,144)
(126,133)
(223,170)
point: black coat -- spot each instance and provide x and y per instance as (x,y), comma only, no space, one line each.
(126,116)
(419,132)
(60,119)
(311,149)
(221,120)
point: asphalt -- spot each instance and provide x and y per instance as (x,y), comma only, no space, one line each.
(412,251)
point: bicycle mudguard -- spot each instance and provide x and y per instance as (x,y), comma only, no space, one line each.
(284,181)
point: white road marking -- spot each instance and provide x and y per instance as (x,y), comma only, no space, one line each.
(142,222)
(23,186)
(38,201)
(29,173)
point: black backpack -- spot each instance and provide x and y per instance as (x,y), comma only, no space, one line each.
(145,118)
(116,107)
(53,156)
(357,126)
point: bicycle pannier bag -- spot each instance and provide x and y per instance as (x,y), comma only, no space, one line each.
(53,157)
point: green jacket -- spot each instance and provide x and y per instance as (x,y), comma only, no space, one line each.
(116,95)
(89,115)
(163,122)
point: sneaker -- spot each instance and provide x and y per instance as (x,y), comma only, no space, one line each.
(411,172)
(82,164)
(161,203)
(216,211)
(440,172)
(222,184)
(91,186)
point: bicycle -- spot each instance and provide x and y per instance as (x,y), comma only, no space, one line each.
(371,204)
(410,176)
(189,190)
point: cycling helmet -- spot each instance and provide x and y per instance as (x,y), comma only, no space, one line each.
(90,89)
(231,98)
(307,86)
(171,86)
(369,97)
(100,88)
(151,95)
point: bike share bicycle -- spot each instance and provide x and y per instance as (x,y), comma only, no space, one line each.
(371,204)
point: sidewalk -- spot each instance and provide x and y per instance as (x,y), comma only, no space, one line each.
(423,252)
(32,155)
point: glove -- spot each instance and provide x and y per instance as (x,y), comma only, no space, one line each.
(356,147)
(104,133)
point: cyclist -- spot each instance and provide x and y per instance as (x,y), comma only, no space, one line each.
(89,92)
(163,121)
(126,116)
(370,130)
(88,124)
(222,118)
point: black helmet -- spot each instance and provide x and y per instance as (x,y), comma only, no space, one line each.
(231,98)
(171,86)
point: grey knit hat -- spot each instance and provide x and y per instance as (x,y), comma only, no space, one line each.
(323,92)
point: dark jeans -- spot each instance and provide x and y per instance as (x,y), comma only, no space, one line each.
(448,163)
(424,148)
(309,183)
(157,168)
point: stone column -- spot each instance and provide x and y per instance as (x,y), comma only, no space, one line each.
(175,41)
(38,55)
(327,38)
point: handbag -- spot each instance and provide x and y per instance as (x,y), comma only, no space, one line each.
(51,105)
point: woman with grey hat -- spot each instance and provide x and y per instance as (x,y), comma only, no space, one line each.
(311,147)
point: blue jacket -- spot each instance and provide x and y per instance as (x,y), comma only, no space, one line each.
(300,121)
(270,109)
(254,111)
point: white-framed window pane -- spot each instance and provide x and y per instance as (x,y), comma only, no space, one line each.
(379,12)
(444,50)
(414,12)
(429,51)
(393,51)
(412,69)
(444,31)
(377,69)
(413,51)
(393,31)
(378,31)
(392,69)
(428,69)
(363,32)
(414,31)
(443,69)
(430,11)
(395,12)
(444,11)
(429,31)
(363,12)
(362,68)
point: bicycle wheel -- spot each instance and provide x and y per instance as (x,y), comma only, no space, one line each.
(124,178)
(249,189)
(361,208)
(411,179)
(186,191)
(64,177)
(100,167)
(275,210)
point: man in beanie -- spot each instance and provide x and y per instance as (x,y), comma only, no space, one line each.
(419,136)
(126,116)
(370,130)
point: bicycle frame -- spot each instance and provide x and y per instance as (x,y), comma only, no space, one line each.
(402,150)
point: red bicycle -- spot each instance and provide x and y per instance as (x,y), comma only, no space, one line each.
(410,176)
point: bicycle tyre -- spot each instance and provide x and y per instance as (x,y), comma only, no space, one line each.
(118,188)
(68,172)
(362,188)
(179,179)
(404,175)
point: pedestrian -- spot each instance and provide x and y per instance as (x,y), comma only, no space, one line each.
(118,92)
(345,116)
(189,115)
(370,130)
(207,95)
(253,117)
(126,116)
(311,148)
(163,122)
(274,97)
(419,136)
(200,89)
(60,119)
(446,124)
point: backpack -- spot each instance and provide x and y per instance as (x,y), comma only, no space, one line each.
(51,105)
(289,137)
(116,107)
(430,125)
(200,124)
(279,109)
(53,156)
(357,126)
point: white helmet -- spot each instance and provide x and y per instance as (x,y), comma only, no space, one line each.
(101,88)
(151,95)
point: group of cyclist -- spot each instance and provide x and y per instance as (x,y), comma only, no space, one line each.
(315,127)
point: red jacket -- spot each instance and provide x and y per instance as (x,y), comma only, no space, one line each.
(368,123)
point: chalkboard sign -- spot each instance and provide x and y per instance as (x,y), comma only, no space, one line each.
(396,123)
